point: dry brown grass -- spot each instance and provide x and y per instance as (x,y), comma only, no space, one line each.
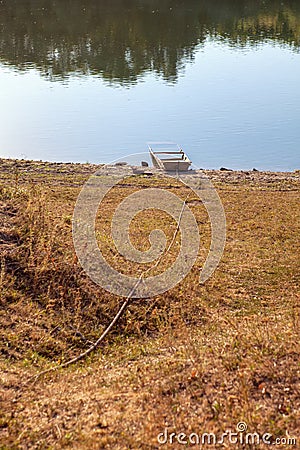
(196,359)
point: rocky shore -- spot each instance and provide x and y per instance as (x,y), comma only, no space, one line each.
(36,171)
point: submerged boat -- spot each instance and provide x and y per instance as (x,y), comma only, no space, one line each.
(168,156)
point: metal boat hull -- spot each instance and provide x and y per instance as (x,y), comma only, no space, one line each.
(170,160)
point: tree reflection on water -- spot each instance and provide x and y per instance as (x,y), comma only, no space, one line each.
(121,40)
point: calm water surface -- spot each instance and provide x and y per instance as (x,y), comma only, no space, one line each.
(95,80)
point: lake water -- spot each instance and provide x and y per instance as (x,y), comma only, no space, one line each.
(94,80)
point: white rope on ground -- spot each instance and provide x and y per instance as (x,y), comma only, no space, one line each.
(117,316)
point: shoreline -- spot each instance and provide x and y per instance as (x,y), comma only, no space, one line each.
(70,174)
(35,164)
